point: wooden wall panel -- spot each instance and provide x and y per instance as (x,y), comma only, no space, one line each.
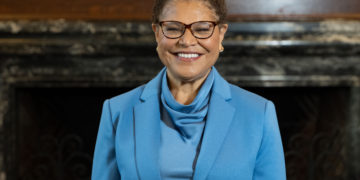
(76,9)
(140,10)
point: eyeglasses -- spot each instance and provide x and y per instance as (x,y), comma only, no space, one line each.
(199,29)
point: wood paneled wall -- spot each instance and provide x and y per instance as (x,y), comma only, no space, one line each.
(140,10)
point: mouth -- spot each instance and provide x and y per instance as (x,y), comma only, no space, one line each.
(187,56)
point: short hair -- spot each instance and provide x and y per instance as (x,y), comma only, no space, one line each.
(218,5)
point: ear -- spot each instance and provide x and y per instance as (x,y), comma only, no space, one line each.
(222,30)
(156,29)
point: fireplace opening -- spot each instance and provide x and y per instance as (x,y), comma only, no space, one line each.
(54,130)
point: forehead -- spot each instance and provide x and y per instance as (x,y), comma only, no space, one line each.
(187,11)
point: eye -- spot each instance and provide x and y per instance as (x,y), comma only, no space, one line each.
(172,29)
(202,29)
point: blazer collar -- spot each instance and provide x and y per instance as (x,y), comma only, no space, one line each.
(218,122)
(153,87)
(221,86)
(147,128)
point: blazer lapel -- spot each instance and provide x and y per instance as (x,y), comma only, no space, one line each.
(147,138)
(219,118)
(147,130)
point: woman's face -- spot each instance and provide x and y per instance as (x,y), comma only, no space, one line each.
(180,66)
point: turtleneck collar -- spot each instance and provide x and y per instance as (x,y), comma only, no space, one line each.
(188,119)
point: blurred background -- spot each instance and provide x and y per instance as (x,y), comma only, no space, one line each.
(59,60)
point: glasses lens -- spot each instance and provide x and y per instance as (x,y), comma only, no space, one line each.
(172,29)
(202,29)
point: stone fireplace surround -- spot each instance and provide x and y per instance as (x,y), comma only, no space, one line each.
(313,67)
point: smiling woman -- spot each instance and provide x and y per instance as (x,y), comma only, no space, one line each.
(188,59)
(188,122)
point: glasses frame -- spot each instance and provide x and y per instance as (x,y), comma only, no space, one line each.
(188,26)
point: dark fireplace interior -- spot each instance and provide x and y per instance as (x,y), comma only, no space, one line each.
(56,130)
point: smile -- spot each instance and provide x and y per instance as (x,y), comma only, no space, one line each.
(188,56)
(183,55)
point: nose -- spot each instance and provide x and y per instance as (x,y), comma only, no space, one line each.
(187,39)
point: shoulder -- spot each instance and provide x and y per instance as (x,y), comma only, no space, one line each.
(256,111)
(251,106)
(118,107)
(125,102)
(127,99)
(249,99)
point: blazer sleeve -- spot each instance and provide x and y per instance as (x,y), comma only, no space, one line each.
(104,162)
(270,162)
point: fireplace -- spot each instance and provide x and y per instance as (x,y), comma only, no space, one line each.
(55,76)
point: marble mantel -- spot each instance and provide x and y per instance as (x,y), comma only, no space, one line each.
(279,53)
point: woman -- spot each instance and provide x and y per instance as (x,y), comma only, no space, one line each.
(188,122)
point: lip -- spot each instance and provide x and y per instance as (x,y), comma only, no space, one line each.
(187,59)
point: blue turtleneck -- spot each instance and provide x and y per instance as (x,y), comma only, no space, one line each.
(181,131)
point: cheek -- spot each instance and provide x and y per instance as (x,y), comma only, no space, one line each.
(211,45)
(164,50)
(166,44)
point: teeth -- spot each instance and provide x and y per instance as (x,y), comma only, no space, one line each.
(188,55)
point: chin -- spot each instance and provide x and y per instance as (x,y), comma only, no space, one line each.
(190,76)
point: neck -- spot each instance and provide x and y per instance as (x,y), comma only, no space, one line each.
(183,91)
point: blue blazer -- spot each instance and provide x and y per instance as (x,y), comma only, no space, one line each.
(241,137)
